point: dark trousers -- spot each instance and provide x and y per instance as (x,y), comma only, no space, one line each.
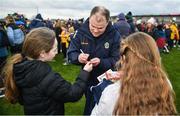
(59,45)
(178,42)
(2,63)
(64,49)
(170,43)
(90,103)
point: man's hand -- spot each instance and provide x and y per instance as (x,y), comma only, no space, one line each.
(83,58)
(95,61)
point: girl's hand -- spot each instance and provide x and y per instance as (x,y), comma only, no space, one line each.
(114,75)
(88,67)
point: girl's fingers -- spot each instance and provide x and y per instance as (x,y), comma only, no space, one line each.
(114,75)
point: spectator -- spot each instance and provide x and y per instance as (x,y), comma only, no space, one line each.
(15,35)
(4,44)
(37,22)
(129,18)
(58,31)
(168,36)
(174,34)
(151,28)
(161,40)
(122,26)
(49,23)
(65,38)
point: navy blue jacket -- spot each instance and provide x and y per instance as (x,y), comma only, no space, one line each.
(37,22)
(105,47)
(3,43)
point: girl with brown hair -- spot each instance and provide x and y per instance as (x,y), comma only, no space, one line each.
(144,88)
(30,81)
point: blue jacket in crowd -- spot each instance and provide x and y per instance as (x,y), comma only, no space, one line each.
(15,34)
(37,22)
(123,26)
(3,48)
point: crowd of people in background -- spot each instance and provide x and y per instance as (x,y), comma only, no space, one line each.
(165,34)
(70,33)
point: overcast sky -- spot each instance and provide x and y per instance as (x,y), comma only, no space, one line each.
(81,8)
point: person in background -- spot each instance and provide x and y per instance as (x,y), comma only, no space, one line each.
(58,31)
(129,18)
(174,34)
(122,26)
(4,44)
(96,41)
(49,23)
(15,35)
(168,36)
(161,39)
(30,81)
(151,28)
(37,22)
(65,38)
(178,27)
(144,87)
(140,25)
(71,31)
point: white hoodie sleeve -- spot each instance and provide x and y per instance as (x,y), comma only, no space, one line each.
(107,101)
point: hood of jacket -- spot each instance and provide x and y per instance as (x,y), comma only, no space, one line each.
(29,73)
(121,16)
(38,16)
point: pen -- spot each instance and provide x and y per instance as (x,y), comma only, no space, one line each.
(81,51)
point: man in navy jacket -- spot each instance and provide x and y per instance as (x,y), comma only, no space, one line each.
(96,41)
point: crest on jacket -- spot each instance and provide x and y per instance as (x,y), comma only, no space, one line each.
(106,45)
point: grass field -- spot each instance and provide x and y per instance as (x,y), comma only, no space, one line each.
(171,63)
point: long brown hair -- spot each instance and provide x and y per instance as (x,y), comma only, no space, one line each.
(36,40)
(145,89)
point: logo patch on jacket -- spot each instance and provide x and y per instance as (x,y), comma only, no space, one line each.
(106,45)
(84,43)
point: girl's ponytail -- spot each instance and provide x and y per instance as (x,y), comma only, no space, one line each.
(11,90)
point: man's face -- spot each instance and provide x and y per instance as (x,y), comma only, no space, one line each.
(97,24)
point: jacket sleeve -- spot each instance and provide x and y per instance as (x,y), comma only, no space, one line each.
(10,34)
(57,88)
(107,63)
(107,100)
(74,48)
(22,36)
